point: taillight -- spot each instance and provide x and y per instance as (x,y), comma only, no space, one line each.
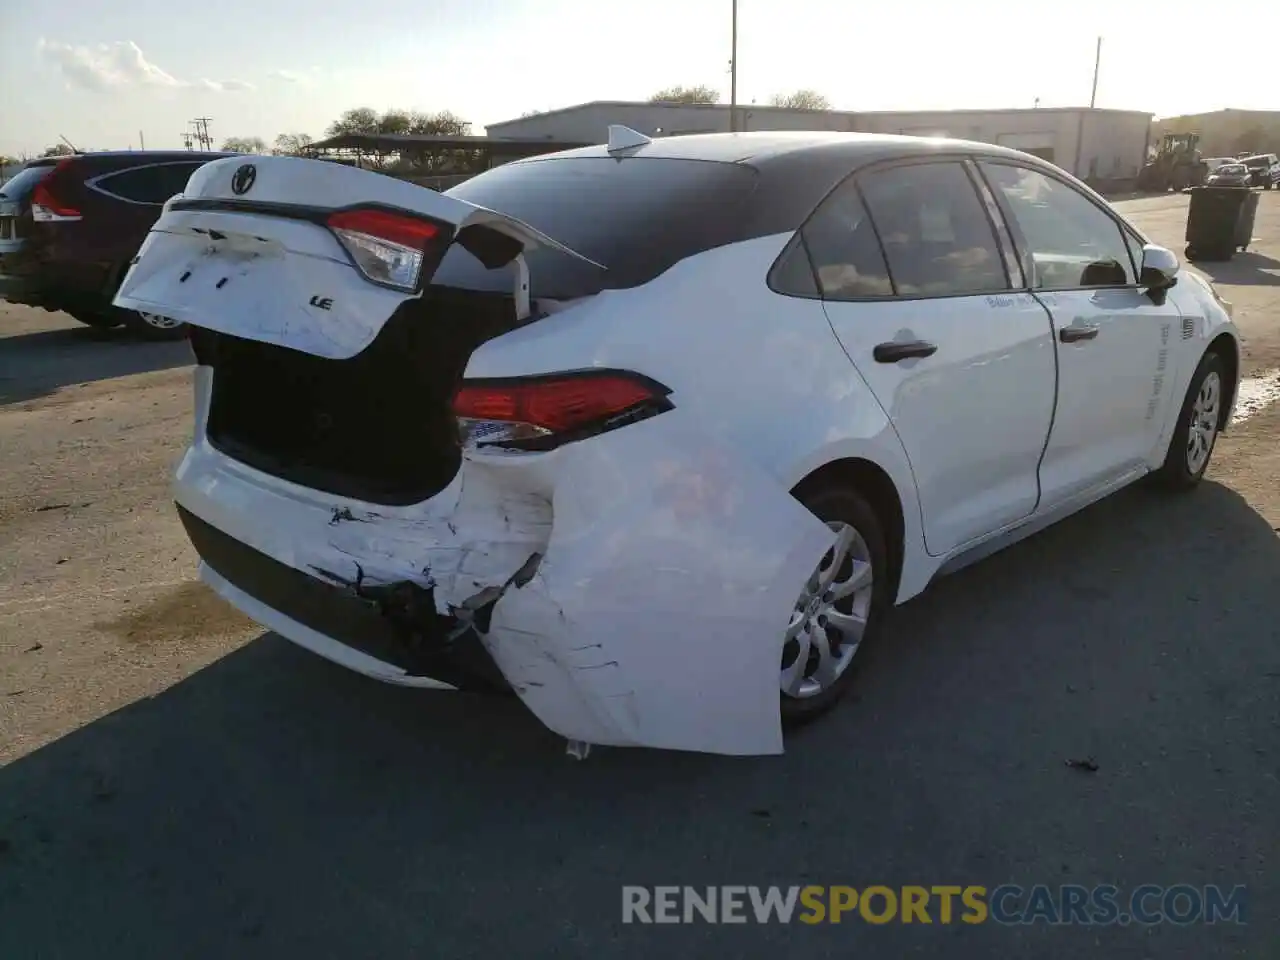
(387,247)
(541,413)
(46,205)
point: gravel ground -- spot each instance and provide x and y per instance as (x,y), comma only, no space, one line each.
(175,783)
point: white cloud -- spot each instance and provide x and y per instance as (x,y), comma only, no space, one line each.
(107,66)
(295,76)
(226,85)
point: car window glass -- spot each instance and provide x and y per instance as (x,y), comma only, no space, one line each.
(23,182)
(844,249)
(1136,247)
(155,183)
(794,274)
(934,230)
(1073,242)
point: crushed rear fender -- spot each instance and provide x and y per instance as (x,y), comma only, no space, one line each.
(656,613)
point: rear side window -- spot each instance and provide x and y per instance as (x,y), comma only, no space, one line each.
(934,229)
(154,183)
(20,185)
(844,248)
(637,217)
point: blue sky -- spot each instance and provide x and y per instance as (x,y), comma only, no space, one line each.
(98,72)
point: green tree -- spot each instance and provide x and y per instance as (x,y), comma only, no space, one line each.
(679,94)
(801,100)
(245,145)
(358,120)
(367,121)
(57,150)
(292,144)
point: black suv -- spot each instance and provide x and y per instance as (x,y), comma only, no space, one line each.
(69,227)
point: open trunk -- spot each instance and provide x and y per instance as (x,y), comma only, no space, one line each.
(308,287)
(376,427)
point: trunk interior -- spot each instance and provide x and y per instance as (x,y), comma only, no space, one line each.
(378,427)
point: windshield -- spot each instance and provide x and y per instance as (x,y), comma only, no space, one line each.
(20,184)
(1233,168)
(637,217)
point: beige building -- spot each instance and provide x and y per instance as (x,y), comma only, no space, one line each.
(1095,144)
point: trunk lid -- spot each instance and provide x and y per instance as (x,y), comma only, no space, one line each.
(246,250)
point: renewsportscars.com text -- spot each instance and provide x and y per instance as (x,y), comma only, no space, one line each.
(1008,904)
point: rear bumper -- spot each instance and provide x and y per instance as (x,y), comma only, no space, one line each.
(419,649)
(53,285)
(632,589)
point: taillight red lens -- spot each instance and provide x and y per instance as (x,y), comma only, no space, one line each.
(385,225)
(556,404)
(389,248)
(46,197)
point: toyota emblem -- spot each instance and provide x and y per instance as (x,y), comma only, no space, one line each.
(242,181)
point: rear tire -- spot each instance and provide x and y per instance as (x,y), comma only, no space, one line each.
(1196,431)
(152,326)
(848,622)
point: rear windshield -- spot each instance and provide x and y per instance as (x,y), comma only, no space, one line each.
(23,182)
(637,216)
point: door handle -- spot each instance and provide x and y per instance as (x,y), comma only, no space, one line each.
(1074,334)
(896,350)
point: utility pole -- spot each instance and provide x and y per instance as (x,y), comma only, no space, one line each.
(142,141)
(733,73)
(186,139)
(1097,62)
(202,132)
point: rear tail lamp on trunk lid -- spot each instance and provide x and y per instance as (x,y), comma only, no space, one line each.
(46,205)
(544,412)
(389,248)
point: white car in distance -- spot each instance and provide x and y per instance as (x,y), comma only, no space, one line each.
(656,434)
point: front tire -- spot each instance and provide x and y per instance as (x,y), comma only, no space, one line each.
(1198,426)
(841,608)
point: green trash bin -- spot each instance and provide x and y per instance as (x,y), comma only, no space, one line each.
(1217,220)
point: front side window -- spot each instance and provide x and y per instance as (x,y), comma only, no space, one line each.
(1073,243)
(934,230)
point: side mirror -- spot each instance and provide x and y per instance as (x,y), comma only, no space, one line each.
(1159,269)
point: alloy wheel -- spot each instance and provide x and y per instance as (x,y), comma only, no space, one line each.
(157,321)
(829,618)
(1202,430)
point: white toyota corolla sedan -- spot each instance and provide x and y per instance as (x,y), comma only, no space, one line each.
(656,434)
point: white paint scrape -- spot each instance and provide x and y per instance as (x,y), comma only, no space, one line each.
(1257,393)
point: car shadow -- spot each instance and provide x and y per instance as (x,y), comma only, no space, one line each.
(34,365)
(1247,269)
(274,805)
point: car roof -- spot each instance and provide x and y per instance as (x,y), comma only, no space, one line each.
(201,156)
(758,146)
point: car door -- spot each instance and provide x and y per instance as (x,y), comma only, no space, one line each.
(922,293)
(1112,338)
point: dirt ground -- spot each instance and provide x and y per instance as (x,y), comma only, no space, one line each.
(175,783)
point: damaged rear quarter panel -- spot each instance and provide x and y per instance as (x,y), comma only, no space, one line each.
(657,614)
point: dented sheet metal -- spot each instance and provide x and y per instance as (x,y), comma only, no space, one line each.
(635,588)
(656,616)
